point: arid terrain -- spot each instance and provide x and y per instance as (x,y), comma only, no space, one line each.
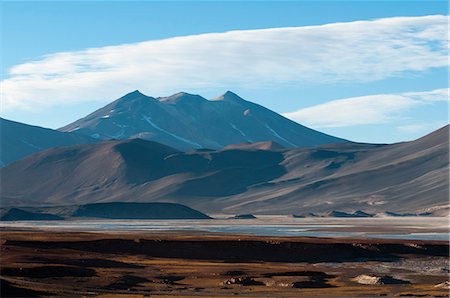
(342,177)
(276,149)
(38,263)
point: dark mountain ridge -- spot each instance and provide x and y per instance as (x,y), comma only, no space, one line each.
(15,214)
(113,210)
(121,210)
(19,140)
(186,121)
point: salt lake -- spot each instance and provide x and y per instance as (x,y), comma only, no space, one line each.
(419,228)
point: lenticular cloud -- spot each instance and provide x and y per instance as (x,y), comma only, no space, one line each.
(361,51)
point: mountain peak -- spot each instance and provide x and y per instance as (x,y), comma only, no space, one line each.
(182,96)
(188,121)
(133,97)
(133,94)
(230,96)
(230,93)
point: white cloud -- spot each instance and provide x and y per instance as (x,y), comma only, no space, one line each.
(430,96)
(420,128)
(371,109)
(355,52)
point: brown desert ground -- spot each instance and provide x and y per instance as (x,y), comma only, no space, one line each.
(72,264)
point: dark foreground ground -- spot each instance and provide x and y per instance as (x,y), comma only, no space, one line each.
(72,264)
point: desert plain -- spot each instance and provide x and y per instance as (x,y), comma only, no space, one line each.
(53,263)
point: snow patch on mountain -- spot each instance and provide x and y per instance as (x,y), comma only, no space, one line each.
(149,120)
(74,129)
(31,145)
(241,132)
(277,135)
(186,122)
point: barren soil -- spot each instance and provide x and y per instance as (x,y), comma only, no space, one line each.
(55,264)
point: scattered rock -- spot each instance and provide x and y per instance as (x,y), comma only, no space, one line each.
(311,279)
(378,280)
(367,279)
(278,283)
(244,281)
(443,285)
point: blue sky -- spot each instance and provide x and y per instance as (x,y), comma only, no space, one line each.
(398,90)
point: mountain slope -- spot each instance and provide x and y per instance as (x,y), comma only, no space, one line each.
(405,177)
(118,210)
(187,121)
(19,140)
(14,214)
(257,146)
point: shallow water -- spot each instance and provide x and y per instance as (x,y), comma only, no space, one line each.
(419,228)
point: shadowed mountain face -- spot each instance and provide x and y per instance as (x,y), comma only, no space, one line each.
(18,214)
(19,140)
(113,210)
(406,177)
(134,170)
(119,210)
(186,122)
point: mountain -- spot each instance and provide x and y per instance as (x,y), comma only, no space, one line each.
(119,210)
(132,171)
(19,214)
(409,177)
(185,121)
(113,210)
(19,140)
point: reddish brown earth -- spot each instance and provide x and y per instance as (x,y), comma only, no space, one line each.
(55,264)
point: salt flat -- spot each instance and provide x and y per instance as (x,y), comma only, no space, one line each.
(420,228)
